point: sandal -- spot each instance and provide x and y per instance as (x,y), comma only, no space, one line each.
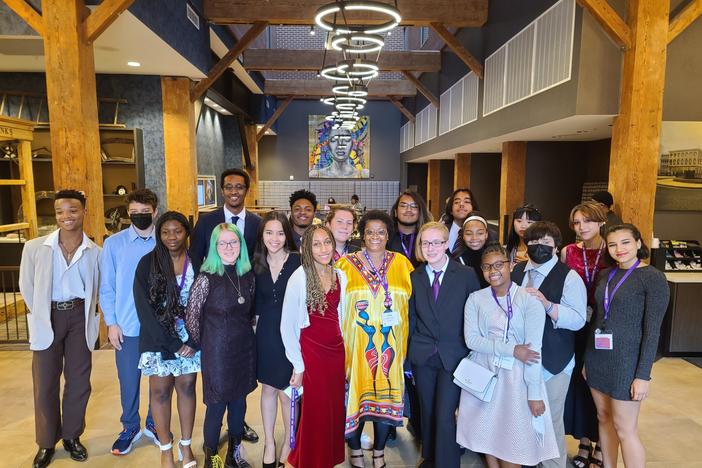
(376,457)
(185,443)
(580,461)
(596,461)
(360,455)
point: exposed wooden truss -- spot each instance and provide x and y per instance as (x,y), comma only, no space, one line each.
(220,67)
(684,19)
(25,11)
(403,109)
(421,88)
(458,48)
(311,60)
(278,112)
(460,13)
(610,21)
(103,16)
(318,88)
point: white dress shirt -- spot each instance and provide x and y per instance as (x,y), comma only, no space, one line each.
(68,279)
(430,270)
(454,232)
(240,223)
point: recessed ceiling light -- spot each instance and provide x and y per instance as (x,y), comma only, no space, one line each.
(134,64)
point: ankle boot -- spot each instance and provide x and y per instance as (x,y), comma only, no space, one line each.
(212,458)
(234,458)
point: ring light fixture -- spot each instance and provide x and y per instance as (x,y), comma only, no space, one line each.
(338,9)
(357,43)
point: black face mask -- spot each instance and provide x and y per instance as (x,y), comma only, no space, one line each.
(539,253)
(141,221)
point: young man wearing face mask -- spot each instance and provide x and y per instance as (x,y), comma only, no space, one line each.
(121,254)
(562,293)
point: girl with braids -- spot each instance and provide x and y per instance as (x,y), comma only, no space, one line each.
(219,318)
(311,330)
(168,355)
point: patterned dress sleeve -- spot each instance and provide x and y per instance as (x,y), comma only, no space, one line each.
(196,301)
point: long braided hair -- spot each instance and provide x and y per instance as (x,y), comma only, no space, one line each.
(164,294)
(315,291)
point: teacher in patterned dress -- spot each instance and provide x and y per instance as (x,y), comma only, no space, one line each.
(375,330)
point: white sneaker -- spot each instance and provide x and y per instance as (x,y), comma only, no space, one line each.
(366,442)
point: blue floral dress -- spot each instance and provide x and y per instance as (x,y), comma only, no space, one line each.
(151,363)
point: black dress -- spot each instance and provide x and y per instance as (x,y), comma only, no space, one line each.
(222,326)
(273,368)
(472,258)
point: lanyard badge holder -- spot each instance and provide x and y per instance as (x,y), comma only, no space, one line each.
(504,362)
(604,338)
(293,400)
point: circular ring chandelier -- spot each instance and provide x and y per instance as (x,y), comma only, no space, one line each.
(349,69)
(357,43)
(356,90)
(365,6)
(337,100)
(348,106)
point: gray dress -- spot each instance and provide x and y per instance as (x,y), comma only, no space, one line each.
(635,317)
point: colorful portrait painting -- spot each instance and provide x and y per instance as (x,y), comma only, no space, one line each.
(339,153)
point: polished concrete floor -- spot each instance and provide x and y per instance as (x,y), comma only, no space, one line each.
(670,422)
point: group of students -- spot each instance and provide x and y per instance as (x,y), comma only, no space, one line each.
(342,332)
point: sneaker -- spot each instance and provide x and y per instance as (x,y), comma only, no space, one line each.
(150,431)
(366,442)
(125,441)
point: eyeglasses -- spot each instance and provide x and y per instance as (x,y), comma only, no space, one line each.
(492,266)
(411,206)
(381,233)
(237,187)
(436,243)
(231,244)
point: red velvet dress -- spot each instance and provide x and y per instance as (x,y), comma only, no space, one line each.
(320,435)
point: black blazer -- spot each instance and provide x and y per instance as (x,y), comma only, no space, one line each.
(152,335)
(200,239)
(395,245)
(438,326)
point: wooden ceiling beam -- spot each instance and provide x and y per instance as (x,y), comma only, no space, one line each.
(458,49)
(103,16)
(311,60)
(460,13)
(403,109)
(684,19)
(30,16)
(610,21)
(278,112)
(321,87)
(421,88)
(220,67)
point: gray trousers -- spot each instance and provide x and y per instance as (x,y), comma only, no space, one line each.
(557,389)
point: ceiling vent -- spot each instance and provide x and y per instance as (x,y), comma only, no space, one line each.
(192,16)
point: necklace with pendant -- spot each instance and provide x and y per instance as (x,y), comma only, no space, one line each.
(241,299)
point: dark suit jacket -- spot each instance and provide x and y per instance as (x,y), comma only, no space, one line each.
(395,245)
(200,240)
(438,326)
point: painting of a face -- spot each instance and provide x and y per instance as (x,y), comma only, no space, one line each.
(340,144)
(338,153)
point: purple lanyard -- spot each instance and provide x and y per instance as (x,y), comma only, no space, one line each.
(507,312)
(589,279)
(383,279)
(607,297)
(185,271)
(293,399)
(408,252)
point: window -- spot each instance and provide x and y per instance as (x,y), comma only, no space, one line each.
(423,35)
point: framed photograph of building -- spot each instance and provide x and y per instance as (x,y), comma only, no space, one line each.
(338,153)
(206,192)
(679,185)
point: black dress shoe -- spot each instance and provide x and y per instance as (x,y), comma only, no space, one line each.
(43,457)
(249,434)
(77,451)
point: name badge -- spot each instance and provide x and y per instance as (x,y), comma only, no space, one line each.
(604,341)
(391,318)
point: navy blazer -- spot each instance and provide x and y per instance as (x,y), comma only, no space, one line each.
(438,326)
(200,239)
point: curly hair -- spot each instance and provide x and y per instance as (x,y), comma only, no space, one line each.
(376,215)
(164,294)
(303,194)
(315,291)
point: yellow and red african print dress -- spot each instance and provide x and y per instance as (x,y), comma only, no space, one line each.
(375,352)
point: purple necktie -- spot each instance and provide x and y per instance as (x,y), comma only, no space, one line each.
(435,285)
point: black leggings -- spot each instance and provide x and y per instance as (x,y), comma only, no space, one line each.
(213,421)
(380,436)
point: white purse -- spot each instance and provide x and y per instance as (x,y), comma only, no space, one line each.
(475,379)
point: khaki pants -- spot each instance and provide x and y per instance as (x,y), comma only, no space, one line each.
(557,389)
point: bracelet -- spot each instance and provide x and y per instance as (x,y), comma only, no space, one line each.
(550,308)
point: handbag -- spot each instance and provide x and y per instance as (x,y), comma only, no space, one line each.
(475,379)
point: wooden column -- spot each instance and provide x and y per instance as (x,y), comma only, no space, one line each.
(29,203)
(179,144)
(72,102)
(434,188)
(461,171)
(512,179)
(252,169)
(636,131)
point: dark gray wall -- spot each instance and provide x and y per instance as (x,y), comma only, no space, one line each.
(485,183)
(287,153)
(417,176)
